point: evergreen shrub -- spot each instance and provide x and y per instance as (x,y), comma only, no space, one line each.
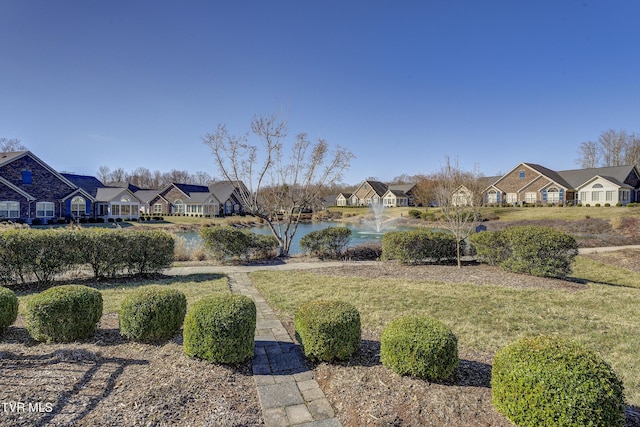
(418,246)
(328,330)
(221,329)
(534,250)
(420,346)
(8,309)
(544,381)
(152,314)
(330,242)
(63,313)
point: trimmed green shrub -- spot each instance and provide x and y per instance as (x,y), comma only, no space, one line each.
(8,309)
(227,242)
(420,346)
(328,330)
(420,245)
(329,242)
(538,381)
(221,329)
(63,313)
(104,250)
(152,314)
(490,247)
(148,251)
(539,251)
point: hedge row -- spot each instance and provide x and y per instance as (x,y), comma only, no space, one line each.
(418,246)
(28,253)
(539,251)
(225,242)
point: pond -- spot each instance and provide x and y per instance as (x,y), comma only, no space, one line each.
(360,234)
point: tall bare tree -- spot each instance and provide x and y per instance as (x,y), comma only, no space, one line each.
(459,197)
(589,155)
(632,150)
(8,145)
(279,186)
(612,146)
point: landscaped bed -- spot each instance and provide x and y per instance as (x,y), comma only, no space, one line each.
(486,308)
(109,381)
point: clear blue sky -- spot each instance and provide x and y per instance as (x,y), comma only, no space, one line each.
(402,84)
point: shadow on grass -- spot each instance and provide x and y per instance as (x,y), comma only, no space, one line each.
(121,282)
(62,397)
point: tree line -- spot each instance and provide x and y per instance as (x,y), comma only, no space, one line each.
(612,148)
(154,180)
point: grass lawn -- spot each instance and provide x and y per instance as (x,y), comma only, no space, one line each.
(604,315)
(195,287)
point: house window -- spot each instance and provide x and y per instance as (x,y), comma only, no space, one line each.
(9,210)
(521,174)
(178,206)
(531,197)
(492,196)
(553,195)
(44,210)
(597,186)
(78,206)
(595,196)
(115,210)
(583,196)
(27,177)
(157,208)
(624,195)
(512,198)
(608,196)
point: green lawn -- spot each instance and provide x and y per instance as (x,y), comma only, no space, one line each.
(605,317)
(195,287)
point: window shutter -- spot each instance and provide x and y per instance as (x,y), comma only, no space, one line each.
(562,195)
(544,196)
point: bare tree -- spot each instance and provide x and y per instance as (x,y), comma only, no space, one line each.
(104,174)
(425,190)
(459,197)
(202,178)
(278,188)
(632,150)
(612,145)
(589,155)
(8,145)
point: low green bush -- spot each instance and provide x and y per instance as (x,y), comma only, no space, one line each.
(8,309)
(328,330)
(539,251)
(330,242)
(221,329)
(420,346)
(63,313)
(148,251)
(418,246)
(226,242)
(544,381)
(152,314)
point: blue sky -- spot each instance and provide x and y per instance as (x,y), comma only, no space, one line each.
(402,84)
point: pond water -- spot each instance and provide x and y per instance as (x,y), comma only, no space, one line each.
(360,234)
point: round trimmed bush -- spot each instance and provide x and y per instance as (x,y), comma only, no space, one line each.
(221,329)
(420,346)
(63,313)
(8,308)
(152,314)
(551,381)
(328,330)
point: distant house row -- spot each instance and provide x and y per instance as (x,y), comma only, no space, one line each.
(526,183)
(375,193)
(32,190)
(534,184)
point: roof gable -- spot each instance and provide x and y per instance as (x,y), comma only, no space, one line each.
(6,158)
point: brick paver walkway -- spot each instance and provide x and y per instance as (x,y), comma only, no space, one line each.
(288,393)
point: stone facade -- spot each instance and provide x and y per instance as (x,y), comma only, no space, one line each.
(44,185)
